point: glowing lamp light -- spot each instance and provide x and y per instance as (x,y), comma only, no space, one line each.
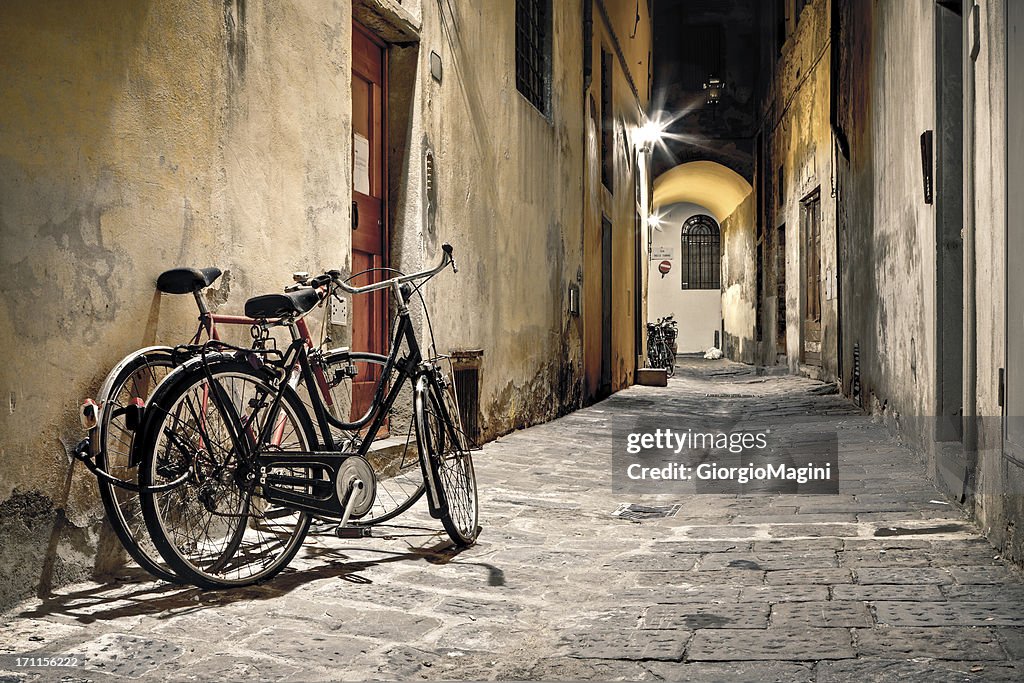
(648,134)
(654,221)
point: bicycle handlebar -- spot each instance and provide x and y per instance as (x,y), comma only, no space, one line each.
(335,276)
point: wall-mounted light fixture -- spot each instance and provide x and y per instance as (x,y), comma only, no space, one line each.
(645,136)
(714,88)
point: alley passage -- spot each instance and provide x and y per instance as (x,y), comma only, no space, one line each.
(884,581)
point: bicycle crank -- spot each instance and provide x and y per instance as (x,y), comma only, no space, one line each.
(356,487)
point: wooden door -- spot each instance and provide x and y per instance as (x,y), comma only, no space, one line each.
(810,351)
(780,290)
(606,307)
(369,183)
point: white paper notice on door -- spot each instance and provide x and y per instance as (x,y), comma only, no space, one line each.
(360,164)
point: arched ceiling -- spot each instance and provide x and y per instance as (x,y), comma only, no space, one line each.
(711,185)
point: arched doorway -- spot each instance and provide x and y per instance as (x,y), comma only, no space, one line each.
(691,201)
(685,275)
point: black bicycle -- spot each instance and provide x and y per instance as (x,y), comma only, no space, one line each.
(661,344)
(237,450)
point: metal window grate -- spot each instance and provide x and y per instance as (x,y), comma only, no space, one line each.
(466,377)
(700,247)
(607,132)
(637,512)
(467,390)
(533,19)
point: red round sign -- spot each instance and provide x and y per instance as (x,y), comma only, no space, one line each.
(664,267)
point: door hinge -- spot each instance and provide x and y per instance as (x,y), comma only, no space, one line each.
(1002,387)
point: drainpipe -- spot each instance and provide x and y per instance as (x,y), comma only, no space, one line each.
(970,272)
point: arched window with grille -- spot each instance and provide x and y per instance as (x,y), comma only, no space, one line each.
(700,254)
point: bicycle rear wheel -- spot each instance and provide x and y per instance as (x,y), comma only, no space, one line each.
(444,449)
(670,358)
(128,386)
(399,476)
(213,528)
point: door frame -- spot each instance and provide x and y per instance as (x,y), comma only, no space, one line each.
(810,210)
(1010,453)
(385,223)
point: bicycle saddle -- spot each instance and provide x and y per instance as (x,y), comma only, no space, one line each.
(186,280)
(282,305)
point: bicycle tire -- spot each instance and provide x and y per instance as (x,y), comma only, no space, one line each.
(443,449)
(135,377)
(670,360)
(182,413)
(399,481)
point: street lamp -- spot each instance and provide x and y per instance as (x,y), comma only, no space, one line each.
(714,88)
(648,134)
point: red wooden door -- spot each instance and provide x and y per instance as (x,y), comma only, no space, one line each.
(369,183)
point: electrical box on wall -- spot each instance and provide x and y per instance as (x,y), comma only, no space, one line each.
(339,311)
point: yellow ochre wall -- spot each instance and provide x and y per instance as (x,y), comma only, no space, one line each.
(136,136)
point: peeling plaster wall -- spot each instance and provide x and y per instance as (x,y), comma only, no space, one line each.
(800,148)
(998,500)
(134,137)
(511,189)
(502,202)
(889,278)
(739,283)
(138,136)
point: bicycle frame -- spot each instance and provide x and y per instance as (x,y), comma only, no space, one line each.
(323,498)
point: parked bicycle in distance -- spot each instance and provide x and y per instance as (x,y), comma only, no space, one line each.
(661,344)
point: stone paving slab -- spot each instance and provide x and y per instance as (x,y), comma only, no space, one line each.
(950,613)
(918,671)
(809,576)
(821,614)
(694,616)
(890,592)
(783,593)
(788,644)
(734,672)
(939,642)
(884,581)
(636,645)
(902,575)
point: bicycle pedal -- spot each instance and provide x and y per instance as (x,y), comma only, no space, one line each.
(353,532)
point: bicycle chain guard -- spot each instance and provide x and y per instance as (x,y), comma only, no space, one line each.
(356,468)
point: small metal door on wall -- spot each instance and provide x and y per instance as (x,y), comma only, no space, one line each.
(1013,436)
(369,232)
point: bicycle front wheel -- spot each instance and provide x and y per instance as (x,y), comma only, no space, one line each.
(207,518)
(126,389)
(444,450)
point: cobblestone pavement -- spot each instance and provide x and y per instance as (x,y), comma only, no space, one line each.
(884,581)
